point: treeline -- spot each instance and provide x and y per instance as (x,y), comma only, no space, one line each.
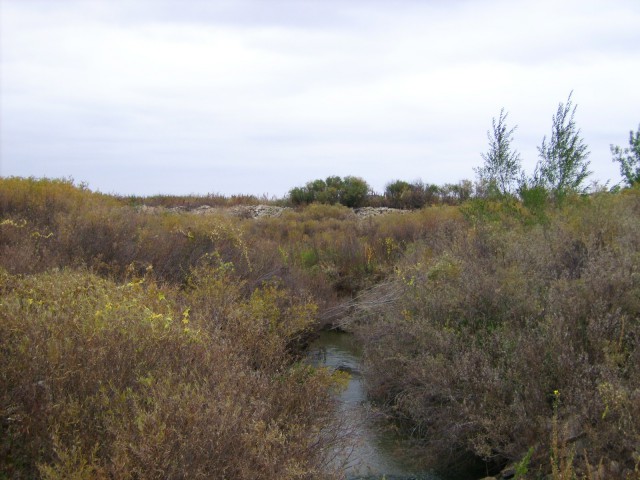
(562,169)
(354,192)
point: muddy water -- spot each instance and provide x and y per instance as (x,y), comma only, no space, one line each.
(377,451)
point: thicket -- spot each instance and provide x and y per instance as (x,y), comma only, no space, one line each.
(158,344)
(152,346)
(629,158)
(138,380)
(348,191)
(509,331)
(168,345)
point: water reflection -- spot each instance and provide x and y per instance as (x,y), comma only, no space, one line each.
(376,450)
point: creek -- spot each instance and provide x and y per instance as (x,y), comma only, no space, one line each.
(378,451)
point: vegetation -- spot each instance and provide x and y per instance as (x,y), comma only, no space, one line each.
(629,158)
(150,346)
(166,342)
(563,165)
(494,318)
(348,191)
(502,166)
(404,195)
(134,380)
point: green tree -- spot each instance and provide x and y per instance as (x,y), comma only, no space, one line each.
(629,158)
(395,191)
(350,191)
(300,196)
(354,192)
(563,164)
(502,165)
(456,193)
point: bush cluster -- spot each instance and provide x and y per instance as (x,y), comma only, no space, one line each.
(135,343)
(161,345)
(503,320)
(348,191)
(137,380)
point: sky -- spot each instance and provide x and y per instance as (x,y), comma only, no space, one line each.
(258,96)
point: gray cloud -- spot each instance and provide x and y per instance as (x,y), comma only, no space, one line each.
(223,96)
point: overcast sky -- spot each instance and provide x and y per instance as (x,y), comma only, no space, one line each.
(258,96)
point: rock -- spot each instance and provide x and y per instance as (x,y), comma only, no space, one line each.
(367,212)
(508,473)
(257,211)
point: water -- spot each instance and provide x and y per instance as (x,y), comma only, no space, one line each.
(377,451)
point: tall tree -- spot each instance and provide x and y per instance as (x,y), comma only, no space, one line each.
(502,165)
(629,158)
(563,164)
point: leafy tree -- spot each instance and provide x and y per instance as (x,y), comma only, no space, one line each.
(401,194)
(300,196)
(502,165)
(456,193)
(563,164)
(350,191)
(394,192)
(629,158)
(354,192)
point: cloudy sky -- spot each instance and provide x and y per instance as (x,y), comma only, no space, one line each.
(258,96)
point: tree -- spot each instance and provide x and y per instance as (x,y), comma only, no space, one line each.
(350,191)
(502,165)
(300,196)
(456,193)
(354,192)
(629,158)
(563,164)
(395,191)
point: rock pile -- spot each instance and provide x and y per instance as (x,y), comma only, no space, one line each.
(366,212)
(258,211)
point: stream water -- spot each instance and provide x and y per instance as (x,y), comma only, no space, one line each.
(378,452)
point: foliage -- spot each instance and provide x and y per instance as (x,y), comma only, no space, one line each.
(563,165)
(502,165)
(106,380)
(348,191)
(401,194)
(492,318)
(191,202)
(353,192)
(135,341)
(456,193)
(629,158)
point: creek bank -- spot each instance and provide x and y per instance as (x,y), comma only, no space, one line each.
(377,451)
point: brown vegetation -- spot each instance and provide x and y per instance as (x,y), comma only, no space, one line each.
(166,345)
(500,321)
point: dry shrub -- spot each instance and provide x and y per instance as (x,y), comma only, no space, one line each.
(106,380)
(190,202)
(496,318)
